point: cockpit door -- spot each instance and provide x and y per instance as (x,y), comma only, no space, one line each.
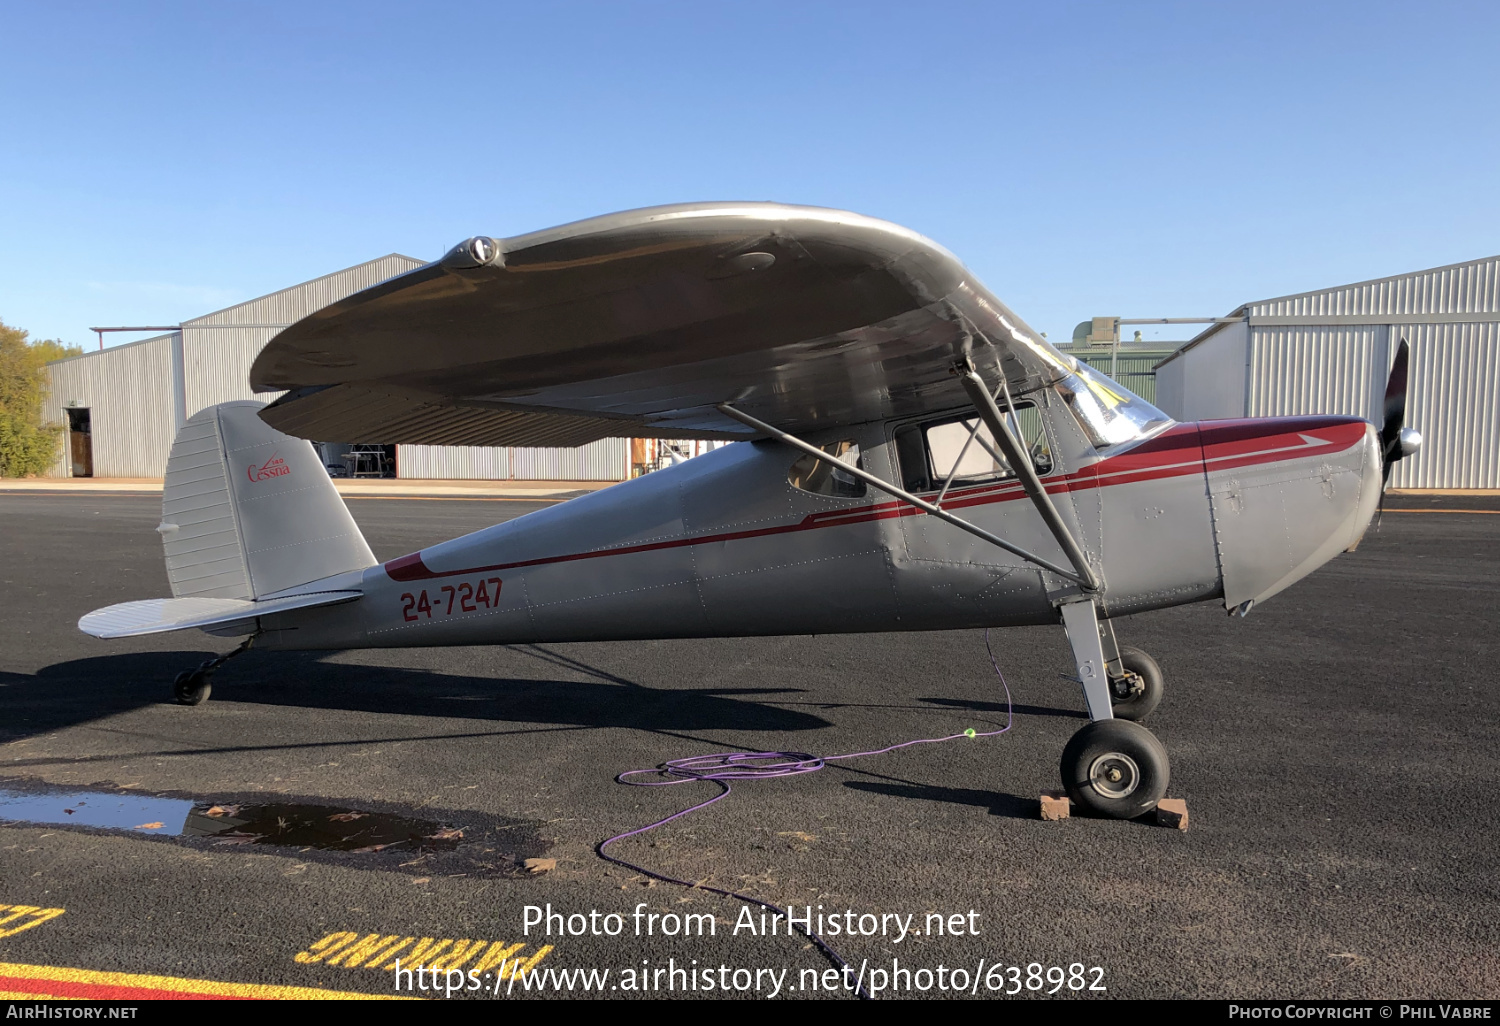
(953,577)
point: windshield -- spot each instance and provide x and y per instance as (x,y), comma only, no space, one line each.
(1108,413)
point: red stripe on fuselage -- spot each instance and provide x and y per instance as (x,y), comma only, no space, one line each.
(1181,450)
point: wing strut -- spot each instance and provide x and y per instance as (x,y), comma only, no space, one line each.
(1086,579)
(979,394)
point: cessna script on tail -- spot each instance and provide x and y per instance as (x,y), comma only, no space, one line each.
(914,457)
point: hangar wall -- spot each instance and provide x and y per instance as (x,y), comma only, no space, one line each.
(219,348)
(1330,351)
(1455,403)
(1301,370)
(605,460)
(140,393)
(129,390)
(1210,385)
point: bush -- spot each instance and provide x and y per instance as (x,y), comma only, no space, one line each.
(28,444)
(26,449)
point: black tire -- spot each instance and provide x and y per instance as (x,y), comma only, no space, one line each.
(1138,706)
(191,688)
(1115,768)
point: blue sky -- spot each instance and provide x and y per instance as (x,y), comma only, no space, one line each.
(1138,159)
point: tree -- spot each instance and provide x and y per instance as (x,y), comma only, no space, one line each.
(28,444)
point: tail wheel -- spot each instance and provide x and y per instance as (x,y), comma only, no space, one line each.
(1136,692)
(1115,768)
(191,688)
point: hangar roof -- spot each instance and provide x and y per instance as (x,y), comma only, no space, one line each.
(284,306)
(1468,291)
(290,304)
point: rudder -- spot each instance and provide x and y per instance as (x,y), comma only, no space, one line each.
(249,512)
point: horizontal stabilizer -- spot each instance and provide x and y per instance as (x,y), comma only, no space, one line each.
(157,616)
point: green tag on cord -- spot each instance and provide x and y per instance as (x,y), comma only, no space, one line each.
(969,732)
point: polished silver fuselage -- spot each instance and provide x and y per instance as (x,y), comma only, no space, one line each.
(723,545)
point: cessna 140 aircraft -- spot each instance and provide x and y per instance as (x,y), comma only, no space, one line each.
(914,457)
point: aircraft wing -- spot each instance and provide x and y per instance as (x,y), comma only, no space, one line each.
(637,324)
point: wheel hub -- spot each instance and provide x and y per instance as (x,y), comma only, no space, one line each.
(1114,775)
(1128,685)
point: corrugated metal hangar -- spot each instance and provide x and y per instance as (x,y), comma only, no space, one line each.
(1329,351)
(123,405)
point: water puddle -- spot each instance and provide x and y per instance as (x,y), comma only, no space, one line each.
(468,842)
(91,809)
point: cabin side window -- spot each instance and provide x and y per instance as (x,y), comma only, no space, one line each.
(822,477)
(960,451)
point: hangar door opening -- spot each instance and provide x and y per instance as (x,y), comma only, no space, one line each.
(359,460)
(80,443)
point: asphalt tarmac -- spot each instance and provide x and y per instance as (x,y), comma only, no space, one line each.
(1336,750)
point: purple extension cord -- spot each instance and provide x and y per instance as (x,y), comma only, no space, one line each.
(723,767)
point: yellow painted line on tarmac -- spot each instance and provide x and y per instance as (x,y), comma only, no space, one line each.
(1490,512)
(348,949)
(15,918)
(36,982)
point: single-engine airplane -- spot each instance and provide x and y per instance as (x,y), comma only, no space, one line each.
(911,457)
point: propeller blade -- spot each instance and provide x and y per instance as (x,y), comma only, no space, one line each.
(1395,411)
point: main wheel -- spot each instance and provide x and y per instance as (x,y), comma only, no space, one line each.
(1115,768)
(1138,691)
(191,688)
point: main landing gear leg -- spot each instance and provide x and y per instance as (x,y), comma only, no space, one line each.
(1112,767)
(192,687)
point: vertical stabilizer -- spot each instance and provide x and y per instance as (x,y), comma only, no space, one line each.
(248,511)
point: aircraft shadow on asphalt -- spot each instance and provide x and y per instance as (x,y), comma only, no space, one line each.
(998,802)
(84,690)
(1000,707)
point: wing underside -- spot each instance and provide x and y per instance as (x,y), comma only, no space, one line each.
(638,324)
